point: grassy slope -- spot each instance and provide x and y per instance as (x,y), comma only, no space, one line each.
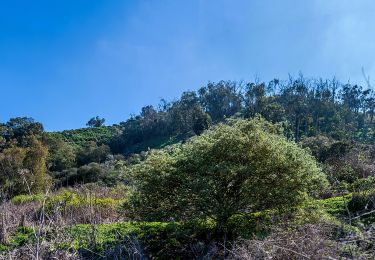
(106,134)
(78,137)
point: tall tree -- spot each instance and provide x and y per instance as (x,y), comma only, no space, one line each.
(20,128)
(96,122)
(221,100)
(36,177)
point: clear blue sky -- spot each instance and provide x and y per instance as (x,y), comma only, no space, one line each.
(64,61)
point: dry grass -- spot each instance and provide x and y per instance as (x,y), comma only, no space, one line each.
(305,242)
(54,212)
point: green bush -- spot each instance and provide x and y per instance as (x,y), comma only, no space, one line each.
(242,166)
(364,184)
(21,236)
(68,198)
(22,199)
(362,203)
(3,248)
(159,240)
(79,137)
(336,205)
(248,225)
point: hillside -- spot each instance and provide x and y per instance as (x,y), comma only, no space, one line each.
(232,170)
(79,137)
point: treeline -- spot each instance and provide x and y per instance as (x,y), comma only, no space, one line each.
(305,107)
(32,160)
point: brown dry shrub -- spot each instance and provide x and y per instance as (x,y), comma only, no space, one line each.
(304,242)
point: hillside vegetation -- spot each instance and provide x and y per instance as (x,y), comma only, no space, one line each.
(235,170)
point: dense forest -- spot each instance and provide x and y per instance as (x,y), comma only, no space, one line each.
(234,170)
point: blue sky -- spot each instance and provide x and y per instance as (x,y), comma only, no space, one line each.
(64,61)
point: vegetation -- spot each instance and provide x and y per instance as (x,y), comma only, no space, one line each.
(241,167)
(233,170)
(96,122)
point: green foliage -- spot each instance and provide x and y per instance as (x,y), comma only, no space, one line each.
(307,107)
(234,177)
(244,166)
(363,199)
(96,122)
(22,199)
(35,179)
(91,152)
(362,185)
(20,128)
(11,162)
(109,173)
(154,143)
(362,202)
(346,163)
(3,248)
(62,155)
(67,199)
(220,100)
(159,240)
(202,121)
(88,173)
(336,205)
(250,225)
(359,202)
(24,170)
(319,146)
(79,137)
(21,236)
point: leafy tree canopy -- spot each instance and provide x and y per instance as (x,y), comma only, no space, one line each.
(243,166)
(96,122)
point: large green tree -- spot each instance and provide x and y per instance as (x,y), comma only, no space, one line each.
(243,166)
(24,170)
(96,122)
(35,178)
(61,155)
(11,163)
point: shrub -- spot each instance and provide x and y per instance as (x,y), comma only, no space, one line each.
(304,242)
(336,205)
(157,240)
(22,199)
(243,166)
(68,198)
